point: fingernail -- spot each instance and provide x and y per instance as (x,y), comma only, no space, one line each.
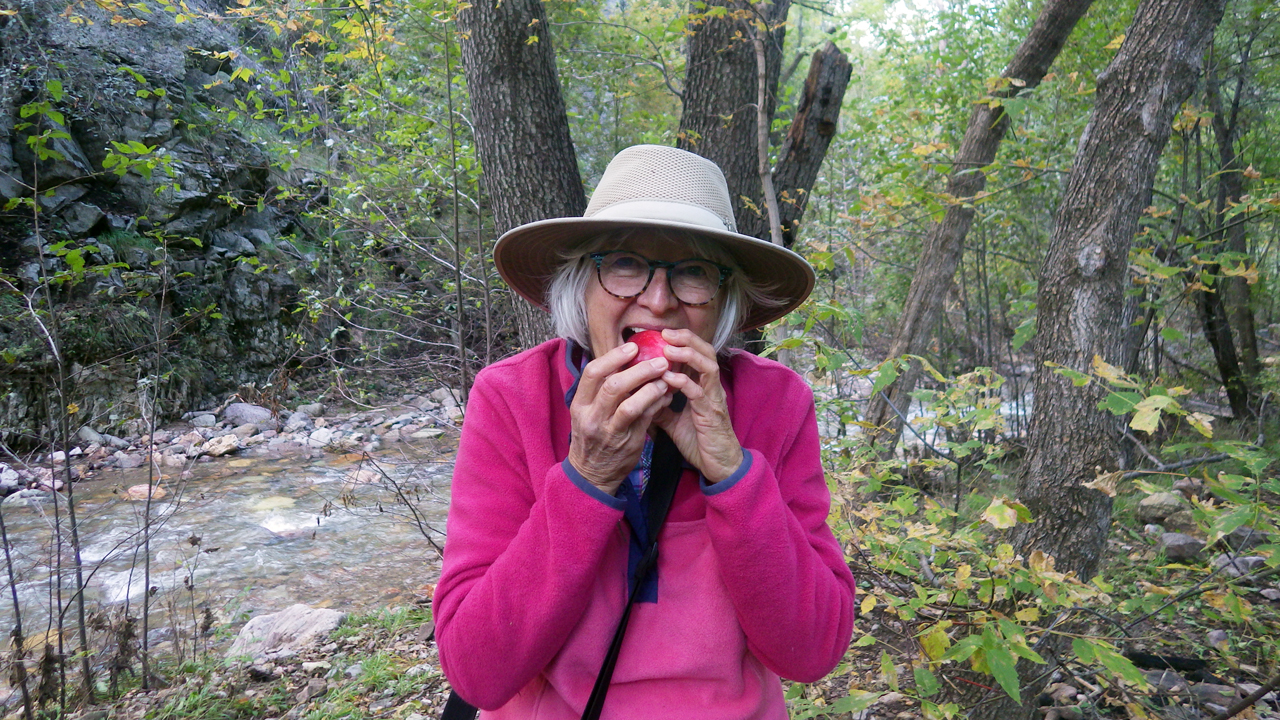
(662,387)
(658,363)
(629,347)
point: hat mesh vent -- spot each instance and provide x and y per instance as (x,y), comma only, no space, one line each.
(657,172)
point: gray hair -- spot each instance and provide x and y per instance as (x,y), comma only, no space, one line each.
(567,292)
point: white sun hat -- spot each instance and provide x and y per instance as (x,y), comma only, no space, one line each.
(660,187)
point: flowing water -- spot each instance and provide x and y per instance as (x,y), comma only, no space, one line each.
(241,537)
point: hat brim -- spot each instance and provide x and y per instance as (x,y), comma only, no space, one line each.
(529,255)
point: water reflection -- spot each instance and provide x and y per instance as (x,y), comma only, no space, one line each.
(242,537)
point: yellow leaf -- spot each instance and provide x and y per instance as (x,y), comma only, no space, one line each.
(1115,43)
(1105,483)
(1202,423)
(868,602)
(72,408)
(1154,589)
(936,642)
(963,572)
(1040,562)
(1030,614)
(1000,515)
(922,150)
(1106,371)
(533,40)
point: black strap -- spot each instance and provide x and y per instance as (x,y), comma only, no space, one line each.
(664,475)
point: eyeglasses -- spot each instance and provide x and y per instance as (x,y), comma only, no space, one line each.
(625,275)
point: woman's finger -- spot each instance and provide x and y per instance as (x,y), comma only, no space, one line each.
(598,371)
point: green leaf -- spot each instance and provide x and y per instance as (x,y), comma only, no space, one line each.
(889,671)
(865,640)
(1024,333)
(855,702)
(1120,403)
(1078,379)
(888,372)
(1002,663)
(1120,665)
(1172,335)
(926,683)
(1084,650)
(55,89)
(1000,514)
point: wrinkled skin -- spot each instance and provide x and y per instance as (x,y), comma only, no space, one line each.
(616,405)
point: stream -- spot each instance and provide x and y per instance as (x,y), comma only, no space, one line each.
(241,537)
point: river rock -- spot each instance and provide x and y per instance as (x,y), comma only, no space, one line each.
(284,633)
(204,420)
(220,446)
(1178,546)
(298,422)
(445,397)
(80,219)
(1182,521)
(1159,506)
(1244,538)
(126,461)
(91,436)
(116,442)
(1237,566)
(245,431)
(314,410)
(242,413)
(10,480)
(140,492)
(320,437)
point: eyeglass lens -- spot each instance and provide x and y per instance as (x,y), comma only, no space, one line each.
(693,282)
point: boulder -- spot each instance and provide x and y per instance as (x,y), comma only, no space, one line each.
(81,219)
(1244,538)
(220,446)
(1159,506)
(90,435)
(1178,546)
(204,420)
(314,410)
(320,437)
(1237,566)
(243,413)
(284,633)
(298,422)
(245,431)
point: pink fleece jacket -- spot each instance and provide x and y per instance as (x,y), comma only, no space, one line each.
(752,585)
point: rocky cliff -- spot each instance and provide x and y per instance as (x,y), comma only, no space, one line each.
(189,273)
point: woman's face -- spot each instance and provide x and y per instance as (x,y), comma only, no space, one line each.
(609,318)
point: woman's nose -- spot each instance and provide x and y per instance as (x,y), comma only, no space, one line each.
(658,297)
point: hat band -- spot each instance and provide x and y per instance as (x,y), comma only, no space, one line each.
(661,210)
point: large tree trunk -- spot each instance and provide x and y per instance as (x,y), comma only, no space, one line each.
(1082,283)
(718,118)
(805,147)
(944,245)
(530,167)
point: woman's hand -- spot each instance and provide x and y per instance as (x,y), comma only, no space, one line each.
(611,414)
(703,432)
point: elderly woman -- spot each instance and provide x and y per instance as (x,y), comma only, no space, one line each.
(545,526)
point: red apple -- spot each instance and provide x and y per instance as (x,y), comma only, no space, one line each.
(651,345)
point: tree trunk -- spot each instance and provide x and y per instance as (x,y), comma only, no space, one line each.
(805,147)
(718,118)
(1082,284)
(1217,330)
(944,245)
(530,167)
(1231,181)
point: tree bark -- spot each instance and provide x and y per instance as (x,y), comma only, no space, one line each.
(530,166)
(944,245)
(718,117)
(1082,284)
(805,147)
(1231,187)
